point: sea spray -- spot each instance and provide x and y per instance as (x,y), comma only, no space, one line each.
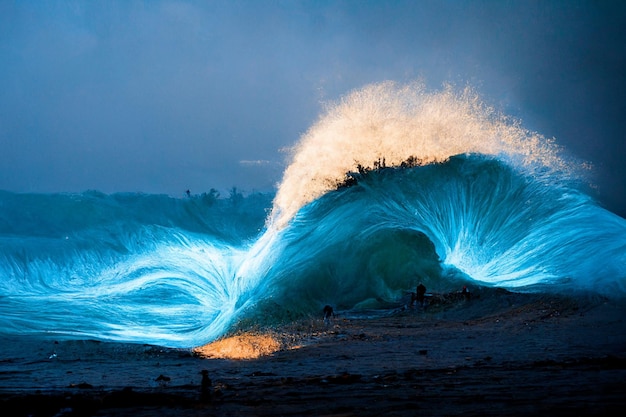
(392,123)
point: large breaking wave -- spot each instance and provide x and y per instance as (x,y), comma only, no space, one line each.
(483,201)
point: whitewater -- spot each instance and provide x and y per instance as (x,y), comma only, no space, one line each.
(393,185)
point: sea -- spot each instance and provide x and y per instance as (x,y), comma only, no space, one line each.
(393,185)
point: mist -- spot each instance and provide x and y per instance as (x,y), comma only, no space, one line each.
(165,96)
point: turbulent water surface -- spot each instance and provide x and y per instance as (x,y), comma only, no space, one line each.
(481,202)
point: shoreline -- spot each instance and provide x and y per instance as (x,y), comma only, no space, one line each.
(540,354)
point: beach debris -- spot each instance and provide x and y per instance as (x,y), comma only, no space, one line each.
(205,386)
(344,378)
(261,373)
(82,385)
(419,295)
(328,314)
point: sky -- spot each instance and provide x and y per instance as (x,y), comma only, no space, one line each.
(165,96)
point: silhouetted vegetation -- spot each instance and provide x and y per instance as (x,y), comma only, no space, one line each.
(235,196)
(236,214)
(352,178)
(210,198)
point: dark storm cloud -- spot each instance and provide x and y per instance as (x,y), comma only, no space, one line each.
(162,96)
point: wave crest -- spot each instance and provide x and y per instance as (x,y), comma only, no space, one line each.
(394,123)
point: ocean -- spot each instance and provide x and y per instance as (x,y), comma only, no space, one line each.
(392,186)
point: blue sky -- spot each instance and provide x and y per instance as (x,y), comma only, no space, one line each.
(162,96)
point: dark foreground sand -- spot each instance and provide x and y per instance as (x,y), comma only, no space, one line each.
(513,354)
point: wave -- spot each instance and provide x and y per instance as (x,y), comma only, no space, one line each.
(471,220)
(483,203)
(127,267)
(61,215)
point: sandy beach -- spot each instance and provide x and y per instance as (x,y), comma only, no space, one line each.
(509,354)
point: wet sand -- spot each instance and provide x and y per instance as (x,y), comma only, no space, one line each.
(511,354)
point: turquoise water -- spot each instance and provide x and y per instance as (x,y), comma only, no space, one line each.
(487,204)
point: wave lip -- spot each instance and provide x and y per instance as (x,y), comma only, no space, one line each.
(392,123)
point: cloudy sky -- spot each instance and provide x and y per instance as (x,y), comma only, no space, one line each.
(162,96)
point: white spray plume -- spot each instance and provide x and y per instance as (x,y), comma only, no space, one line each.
(396,122)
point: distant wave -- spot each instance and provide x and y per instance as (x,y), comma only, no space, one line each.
(128,267)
